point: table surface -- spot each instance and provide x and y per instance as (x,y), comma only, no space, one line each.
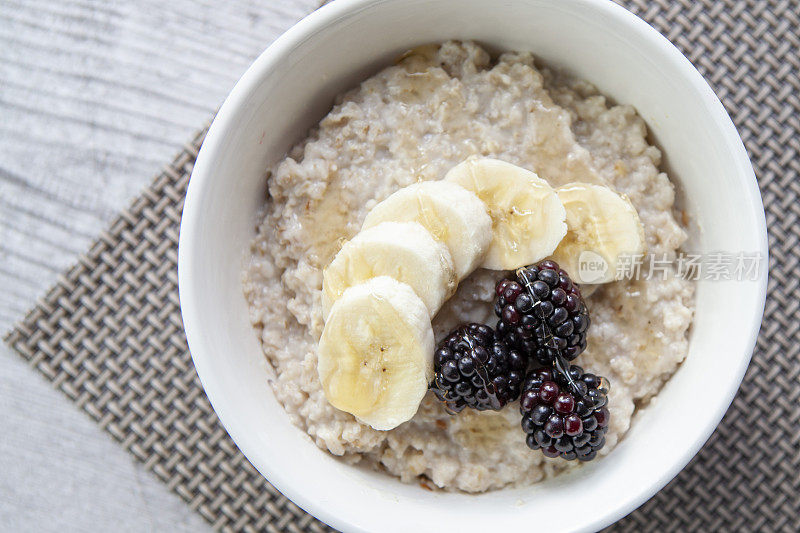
(95,97)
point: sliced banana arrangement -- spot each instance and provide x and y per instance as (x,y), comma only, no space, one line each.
(381,291)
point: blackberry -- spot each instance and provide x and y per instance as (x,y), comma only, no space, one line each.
(565,414)
(474,369)
(542,313)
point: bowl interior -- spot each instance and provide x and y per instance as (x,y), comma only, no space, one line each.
(292,85)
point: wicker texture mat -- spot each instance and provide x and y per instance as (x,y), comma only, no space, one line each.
(109,334)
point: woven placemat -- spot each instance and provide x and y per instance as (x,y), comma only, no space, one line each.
(109,334)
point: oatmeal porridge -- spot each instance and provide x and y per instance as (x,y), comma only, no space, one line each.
(413,122)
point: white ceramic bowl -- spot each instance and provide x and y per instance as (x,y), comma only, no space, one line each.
(291,86)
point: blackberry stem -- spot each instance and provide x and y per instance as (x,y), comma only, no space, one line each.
(561,365)
(488,386)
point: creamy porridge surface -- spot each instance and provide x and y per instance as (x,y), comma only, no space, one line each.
(414,121)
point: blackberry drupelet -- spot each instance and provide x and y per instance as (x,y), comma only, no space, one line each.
(474,369)
(542,313)
(565,415)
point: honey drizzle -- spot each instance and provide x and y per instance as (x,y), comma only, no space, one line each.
(561,364)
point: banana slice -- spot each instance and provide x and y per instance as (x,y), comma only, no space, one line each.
(376,353)
(402,250)
(602,227)
(452,215)
(527,217)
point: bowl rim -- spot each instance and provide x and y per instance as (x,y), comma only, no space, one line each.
(214,142)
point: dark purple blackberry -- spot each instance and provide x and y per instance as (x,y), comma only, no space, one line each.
(542,313)
(565,415)
(473,369)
